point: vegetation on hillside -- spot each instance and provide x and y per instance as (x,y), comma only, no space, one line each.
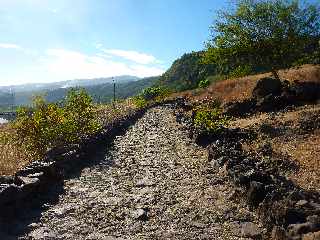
(151,95)
(186,72)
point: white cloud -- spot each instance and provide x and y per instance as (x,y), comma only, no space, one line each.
(61,64)
(134,56)
(10,46)
(54,10)
(65,64)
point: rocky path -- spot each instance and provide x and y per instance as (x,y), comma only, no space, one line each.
(153,184)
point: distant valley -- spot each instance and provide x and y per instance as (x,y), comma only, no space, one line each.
(101,89)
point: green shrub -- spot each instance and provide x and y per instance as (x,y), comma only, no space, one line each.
(241,71)
(149,95)
(140,102)
(49,125)
(204,83)
(153,93)
(210,119)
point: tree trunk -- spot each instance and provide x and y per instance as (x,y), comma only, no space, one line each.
(275,74)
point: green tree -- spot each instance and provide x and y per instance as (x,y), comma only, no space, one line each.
(271,34)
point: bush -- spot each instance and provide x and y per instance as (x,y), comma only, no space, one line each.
(204,83)
(140,102)
(150,94)
(49,125)
(241,71)
(153,93)
(210,119)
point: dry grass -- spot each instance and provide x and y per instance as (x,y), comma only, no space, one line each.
(301,147)
(12,156)
(108,113)
(241,88)
(306,151)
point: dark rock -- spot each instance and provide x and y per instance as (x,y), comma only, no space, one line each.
(271,103)
(302,228)
(266,86)
(29,184)
(294,215)
(256,193)
(306,91)
(9,193)
(238,109)
(254,176)
(6,179)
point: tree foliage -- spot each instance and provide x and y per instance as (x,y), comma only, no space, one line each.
(264,34)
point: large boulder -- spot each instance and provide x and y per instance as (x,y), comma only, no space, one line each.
(240,108)
(266,86)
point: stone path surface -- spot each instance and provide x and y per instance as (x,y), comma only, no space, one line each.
(154,183)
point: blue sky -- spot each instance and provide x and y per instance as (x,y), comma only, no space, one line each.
(53,40)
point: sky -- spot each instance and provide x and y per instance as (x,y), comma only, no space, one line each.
(55,40)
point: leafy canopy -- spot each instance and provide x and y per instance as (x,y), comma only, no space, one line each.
(271,34)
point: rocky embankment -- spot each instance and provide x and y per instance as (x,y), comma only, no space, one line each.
(286,209)
(154,183)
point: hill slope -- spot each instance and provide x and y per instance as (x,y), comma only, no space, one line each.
(186,72)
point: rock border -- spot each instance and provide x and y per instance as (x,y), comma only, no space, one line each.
(286,210)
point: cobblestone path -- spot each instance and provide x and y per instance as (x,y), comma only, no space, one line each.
(154,183)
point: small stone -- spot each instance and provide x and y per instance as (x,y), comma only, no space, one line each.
(140,214)
(311,236)
(278,233)
(250,229)
(145,182)
(29,180)
(43,233)
(301,203)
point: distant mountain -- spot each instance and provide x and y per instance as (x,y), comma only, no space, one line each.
(186,72)
(126,86)
(32,87)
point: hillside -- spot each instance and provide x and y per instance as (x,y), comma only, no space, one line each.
(34,87)
(186,72)
(53,92)
(237,89)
